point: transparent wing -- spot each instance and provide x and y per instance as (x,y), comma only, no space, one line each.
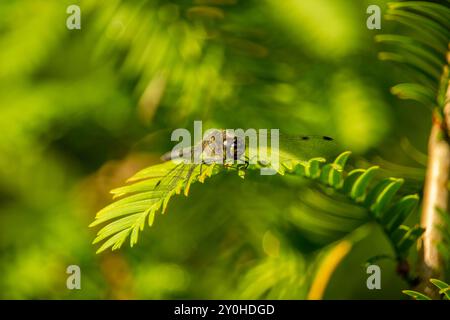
(299,147)
(308,146)
(290,147)
(181,173)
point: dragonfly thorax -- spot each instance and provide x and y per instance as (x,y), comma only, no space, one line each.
(223,146)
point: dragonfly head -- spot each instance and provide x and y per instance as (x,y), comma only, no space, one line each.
(234,146)
(223,145)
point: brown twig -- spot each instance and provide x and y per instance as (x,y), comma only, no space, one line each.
(435,195)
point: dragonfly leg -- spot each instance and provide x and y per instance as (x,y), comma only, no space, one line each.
(244,165)
(247,161)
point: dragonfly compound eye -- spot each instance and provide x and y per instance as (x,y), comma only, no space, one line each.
(238,148)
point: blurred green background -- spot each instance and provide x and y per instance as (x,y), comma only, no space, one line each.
(82,110)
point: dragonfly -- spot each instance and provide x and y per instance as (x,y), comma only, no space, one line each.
(216,146)
(223,147)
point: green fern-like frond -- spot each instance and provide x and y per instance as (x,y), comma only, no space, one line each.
(149,192)
(378,198)
(444,290)
(151,189)
(424,52)
(416,295)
